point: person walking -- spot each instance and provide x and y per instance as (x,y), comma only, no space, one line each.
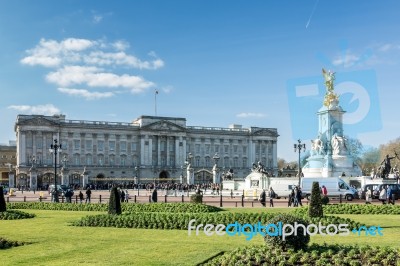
(299,195)
(272,195)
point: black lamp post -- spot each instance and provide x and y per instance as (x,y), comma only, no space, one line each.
(136,175)
(55,148)
(216,159)
(299,147)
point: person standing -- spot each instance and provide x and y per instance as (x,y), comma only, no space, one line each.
(389,194)
(126,196)
(383,195)
(122,195)
(88,195)
(263,198)
(272,195)
(154,195)
(80,196)
(324,191)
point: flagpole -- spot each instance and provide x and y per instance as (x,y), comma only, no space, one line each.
(155,102)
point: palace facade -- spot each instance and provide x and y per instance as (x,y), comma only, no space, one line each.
(150,148)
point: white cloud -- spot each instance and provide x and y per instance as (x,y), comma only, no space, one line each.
(167,89)
(95,77)
(385,47)
(247,115)
(47,109)
(86,94)
(50,53)
(85,64)
(120,45)
(347,60)
(97,19)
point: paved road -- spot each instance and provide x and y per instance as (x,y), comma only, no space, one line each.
(143,196)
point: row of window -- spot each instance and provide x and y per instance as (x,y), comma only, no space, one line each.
(8,157)
(124,160)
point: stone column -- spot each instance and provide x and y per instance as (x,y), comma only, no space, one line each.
(215,172)
(85,178)
(64,176)
(33,179)
(190,175)
(11,179)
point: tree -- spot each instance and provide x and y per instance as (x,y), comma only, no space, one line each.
(315,209)
(370,159)
(114,205)
(3,206)
(281,163)
(355,148)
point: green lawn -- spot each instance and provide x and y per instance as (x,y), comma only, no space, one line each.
(55,242)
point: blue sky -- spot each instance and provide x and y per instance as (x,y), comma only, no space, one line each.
(215,63)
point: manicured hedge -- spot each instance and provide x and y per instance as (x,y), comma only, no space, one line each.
(356,209)
(15,215)
(153,220)
(126,207)
(4,243)
(343,255)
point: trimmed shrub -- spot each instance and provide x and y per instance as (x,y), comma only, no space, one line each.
(325,200)
(114,206)
(3,206)
(294,241)
(196,198)
(15,215)
(4,243)
(126,207)
(315,209)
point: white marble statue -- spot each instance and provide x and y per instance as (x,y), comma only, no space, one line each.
(317,147)
(338,145)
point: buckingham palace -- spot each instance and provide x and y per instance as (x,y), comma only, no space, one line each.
(149,149)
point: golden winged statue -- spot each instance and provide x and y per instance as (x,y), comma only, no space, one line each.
(330,94)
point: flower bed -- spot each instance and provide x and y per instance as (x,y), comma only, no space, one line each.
(159,220)
(340,255)
(355,209)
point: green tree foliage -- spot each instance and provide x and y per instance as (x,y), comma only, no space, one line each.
(315,209)
(114,206)
(355,148)
(3,206)
(370,160)
(196,198)
(390,149)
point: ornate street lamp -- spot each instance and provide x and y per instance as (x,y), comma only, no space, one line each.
(215,168)
(299,147)
(216,158)
(136,176)
(55,148)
